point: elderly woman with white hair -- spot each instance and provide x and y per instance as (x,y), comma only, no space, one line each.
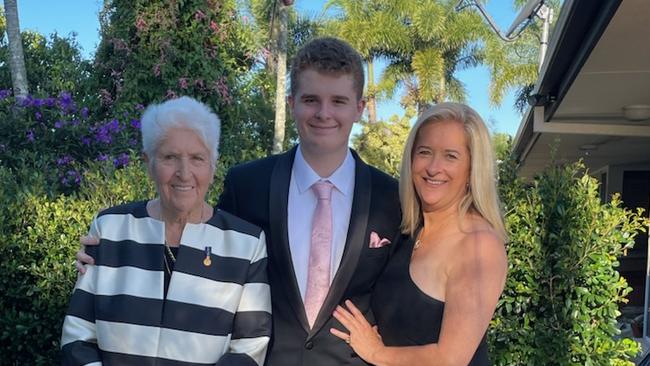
(174,281)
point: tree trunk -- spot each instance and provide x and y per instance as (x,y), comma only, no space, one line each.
(281,79)
(16,55)
(372,98)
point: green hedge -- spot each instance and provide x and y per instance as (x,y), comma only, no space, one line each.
(563,291)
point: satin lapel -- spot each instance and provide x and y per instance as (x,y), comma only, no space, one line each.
(354,243)
(278,203)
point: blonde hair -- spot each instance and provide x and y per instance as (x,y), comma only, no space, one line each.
(482,196)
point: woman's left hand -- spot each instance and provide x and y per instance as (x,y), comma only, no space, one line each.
(363,338)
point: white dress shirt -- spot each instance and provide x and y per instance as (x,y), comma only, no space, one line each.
(301,207)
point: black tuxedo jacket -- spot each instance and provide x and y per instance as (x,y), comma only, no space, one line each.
(258,192)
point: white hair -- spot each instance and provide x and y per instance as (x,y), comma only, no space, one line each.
(183,112)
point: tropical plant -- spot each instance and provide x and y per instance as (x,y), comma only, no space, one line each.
(17,56)
(266,17)
(514,65)
(280,35)
(371,27)
(441,43)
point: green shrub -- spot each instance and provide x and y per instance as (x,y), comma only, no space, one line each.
(381,144)
(38,238)
(562,293)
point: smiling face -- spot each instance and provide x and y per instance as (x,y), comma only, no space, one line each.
(440,165)
(325,107)
(182,171)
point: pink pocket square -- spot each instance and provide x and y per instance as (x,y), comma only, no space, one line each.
(376,242)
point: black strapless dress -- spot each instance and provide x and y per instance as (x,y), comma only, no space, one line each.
(405,315)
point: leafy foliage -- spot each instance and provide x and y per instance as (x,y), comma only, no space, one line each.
(53,65)
(381,144)
(424,42)
(441,43)
(151,51)
(562,293)
(60,137)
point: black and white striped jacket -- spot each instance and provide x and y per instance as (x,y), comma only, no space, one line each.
(217,314)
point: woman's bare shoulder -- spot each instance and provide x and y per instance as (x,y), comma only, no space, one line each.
(480,242)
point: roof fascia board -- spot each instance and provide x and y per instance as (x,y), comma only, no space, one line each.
(591,18)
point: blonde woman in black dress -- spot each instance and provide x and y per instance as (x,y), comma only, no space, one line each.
(434,302)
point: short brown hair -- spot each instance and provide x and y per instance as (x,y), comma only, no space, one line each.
(328,55)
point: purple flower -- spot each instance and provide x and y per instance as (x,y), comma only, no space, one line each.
(135,123)
(64,160)
(65,98)
(2,147)
(102,157)
(139,107)
(85,140)
(182,83)
(102,134)
(59,124)
(84,112)
(49,102)
(121,160)
(70,178)
(133,142)
(113,125)
(25,101)
(65,102)
(38,102)
(5,93)
(74,122)
(38,116)
(30,135)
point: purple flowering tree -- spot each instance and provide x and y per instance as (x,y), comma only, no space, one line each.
(63,138)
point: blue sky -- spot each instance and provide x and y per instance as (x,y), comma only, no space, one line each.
(81,17)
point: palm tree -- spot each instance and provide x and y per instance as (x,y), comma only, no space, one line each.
(441,43)
(515,65)
(280,35)
(17,56)
(370,26)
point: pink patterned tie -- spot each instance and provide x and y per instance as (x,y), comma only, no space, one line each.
(318,276)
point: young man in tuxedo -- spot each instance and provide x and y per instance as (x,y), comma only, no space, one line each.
(278,194)
(275,193)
